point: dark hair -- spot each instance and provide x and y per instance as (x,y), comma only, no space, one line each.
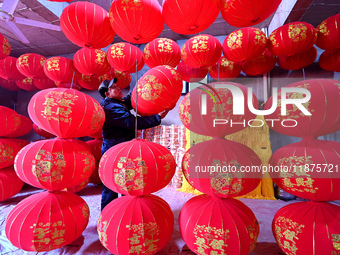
(104,86)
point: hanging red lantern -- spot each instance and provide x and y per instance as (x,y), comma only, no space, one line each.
(230,161)
(97,135)
(137,167)
(324,95)
(91,62)
(128,20)
(201,51)
(10,184)
(244,44)
(5,47)
(44,83)
(54,164)
(9,85)
(132,225)
(211,225)
(225,70)
(8,150)
(66,113)
(87,25)
(298,61)
(47,221)
(10,121)
(162,51)
(307,228)
(96,148)
(31,65)
(110,75)
(79,187)
(291,39)
(26,84)
(95,178)
(330,60)
(158,89)
(241,13)
(218,106)
(124,79)
(190,16)
(329,33)
(190,74)
(310,169)
(9,70)
(42,132)
(60,69)
(124,57)
(24,128)
(21,142)
(260,65)
(89,82)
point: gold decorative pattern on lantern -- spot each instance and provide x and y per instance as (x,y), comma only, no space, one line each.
(253,230)
(148,232)
(150,88)
(58,106)
(88,163)
(286,232)
(272,38)
(97,117)
(322,28)
(227,183)
(23,60)
(85,211)
(184,53)
(53,64)
(27,80)
(235,39)
(6,153)
(297,32)
(199,43)
(102,228)
(48,236)
(42,61)
(164,45)
(167,167)
(6,47)
(336,242)
(210,238)
(134,5)
(260,37)
(117,50)
(100,56)
(146,52)
(227,64)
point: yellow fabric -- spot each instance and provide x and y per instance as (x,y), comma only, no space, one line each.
(257,138)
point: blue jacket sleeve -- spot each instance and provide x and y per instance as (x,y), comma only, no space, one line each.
(127,101)
(119,116)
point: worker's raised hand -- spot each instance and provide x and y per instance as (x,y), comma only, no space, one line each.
(162,114)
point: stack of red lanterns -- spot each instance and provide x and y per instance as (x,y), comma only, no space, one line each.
(55,218)
(138,222)
(215,167)
(309,169)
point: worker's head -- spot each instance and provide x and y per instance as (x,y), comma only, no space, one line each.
(110,89)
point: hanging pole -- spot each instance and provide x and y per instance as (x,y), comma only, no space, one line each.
(136,121)
(74,73)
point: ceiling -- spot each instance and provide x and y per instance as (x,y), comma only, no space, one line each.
(51,43)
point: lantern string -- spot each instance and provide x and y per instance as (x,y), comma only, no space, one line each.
(136,99)
(74,73)
(303,74)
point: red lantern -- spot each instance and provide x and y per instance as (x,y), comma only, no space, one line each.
(132,225)
(44,83)
(42,132)
(211,225)
(158,89)
(47,221)
(31,65)
(242,13)
(79,187)
(95,178)
(310,169)
(91,62)
(201,51)
(110,75)
(330,60)
(21,142)
(329,33)
(291,39)
(24,128)
(26,84)
(124,57)
(244,44)
(96,148)
(9,85)
(54,164)
(136,21)
(137,167)
(162,51)
(190,74)
(218,106)
(8,150)
(225,70)
(5,47)
(190,16)
(97,135)
(10,184)
(89,82)
(307,228)
(229,161)
(60,69)
(9,70)
(87,25)
(298,61)
(10,121)
(324,96)
(124,79)
(66,113)
(261,65)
